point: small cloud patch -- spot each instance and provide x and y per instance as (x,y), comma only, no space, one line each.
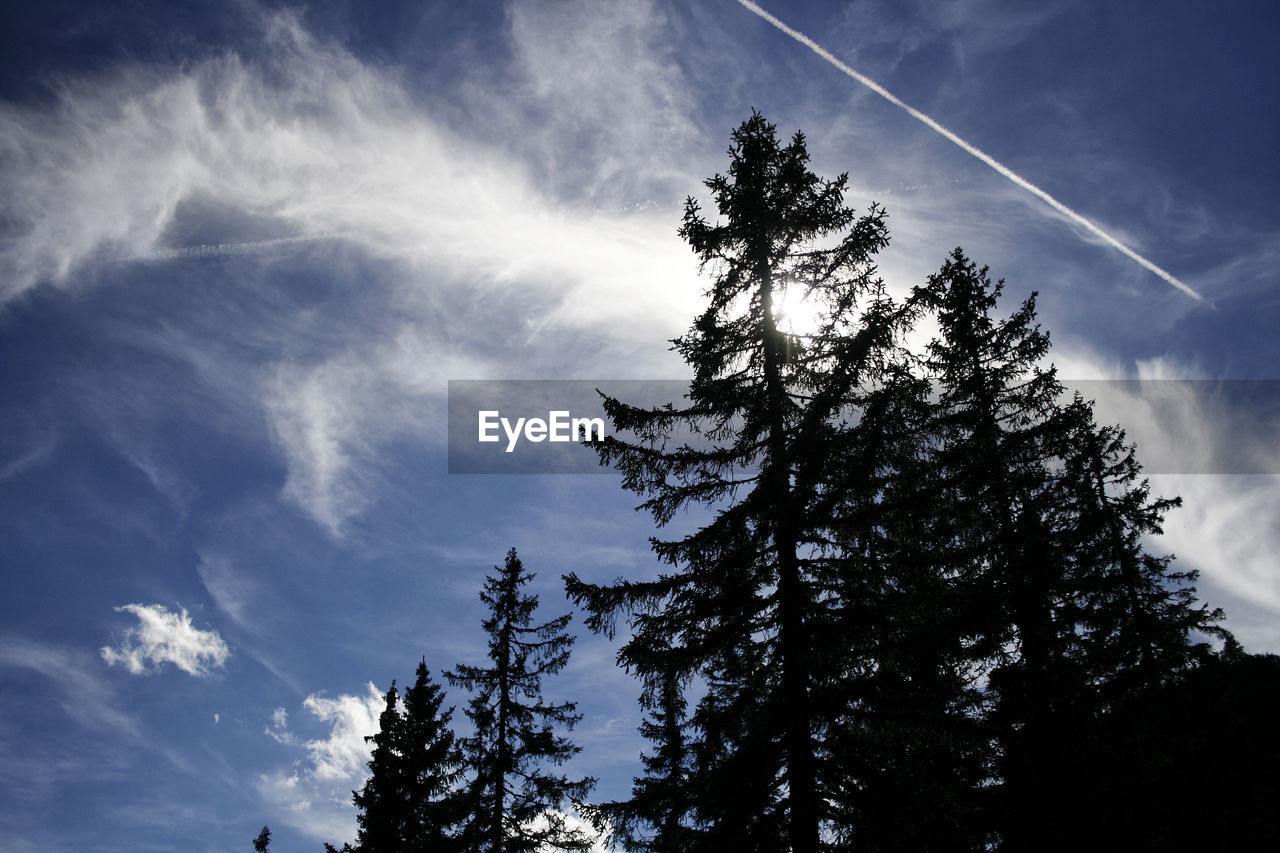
(165,637)
(279,729)
(313,794)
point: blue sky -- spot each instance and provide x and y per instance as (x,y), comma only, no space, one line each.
(244,248)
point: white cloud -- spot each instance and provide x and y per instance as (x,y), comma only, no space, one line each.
(330,420)
(1227,526)
(344,753)
(313,142)
(165,637)
(279,728)
(314,796)
(232,591)
(317,416)
(605,97)
(1229,529)
(318,812)
(40,447)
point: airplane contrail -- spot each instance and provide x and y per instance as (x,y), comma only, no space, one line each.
(976,152)
(213,250)
(228,250)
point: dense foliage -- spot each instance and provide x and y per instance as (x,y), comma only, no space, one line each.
(923,586)
(921,617)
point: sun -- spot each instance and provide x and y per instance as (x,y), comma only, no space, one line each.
(798,311)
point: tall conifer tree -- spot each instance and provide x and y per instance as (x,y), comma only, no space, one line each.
(1139,619)
(658,816)
(516,802)
(1049,517)
(412,799)
(905,747)
(999,429)
(924,581)
(741,608)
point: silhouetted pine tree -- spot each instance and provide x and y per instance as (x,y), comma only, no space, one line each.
(515,802)
(433,768)
(999,428)
(1135,623)
(657,817)
(412,800)
(750,594)
(1138,617)
(383,801)
(1047,520)
(906,747)
(263,842)
(923,586)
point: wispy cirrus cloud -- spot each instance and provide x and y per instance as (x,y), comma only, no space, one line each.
(1226,528)
(603,88)
(26,444)
(549,232)
(166,637)
(81,692)
(310,144)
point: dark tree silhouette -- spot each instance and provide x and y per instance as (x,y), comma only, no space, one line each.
(515,801)
(263,842)
(924,585)
(906,745)
(742,611)
(433,768)
(1190,764)
(998,428)
(412,800)
(1048,517)
(1141,623)
(656,817)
